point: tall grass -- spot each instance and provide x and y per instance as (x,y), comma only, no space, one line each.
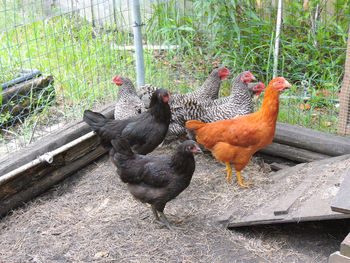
(240,34)
(82,60)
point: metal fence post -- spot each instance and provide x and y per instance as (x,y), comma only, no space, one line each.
(140,66)
(277,40)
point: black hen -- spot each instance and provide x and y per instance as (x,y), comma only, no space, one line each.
(144,131)
(155,179)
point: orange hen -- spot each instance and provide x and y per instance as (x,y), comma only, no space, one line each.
(236,140)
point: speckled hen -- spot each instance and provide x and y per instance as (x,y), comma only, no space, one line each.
(179,103)
(128,102)
(239,102)
(208,91)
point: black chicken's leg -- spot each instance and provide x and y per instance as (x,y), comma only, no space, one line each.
(165,221)
(154,210)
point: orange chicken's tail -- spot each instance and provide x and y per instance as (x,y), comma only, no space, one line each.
(194,124)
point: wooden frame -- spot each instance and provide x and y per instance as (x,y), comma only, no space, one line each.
(31,171)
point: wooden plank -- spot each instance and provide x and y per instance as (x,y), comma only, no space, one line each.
(26,88)
(312,140)
(19,181)
(292,153)
(345,246)
(24,182)
(318,186)
(290,198)
(337,257)
(51,177)
(341,202)
(48,143)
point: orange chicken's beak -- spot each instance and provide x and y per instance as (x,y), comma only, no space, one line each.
(287,84)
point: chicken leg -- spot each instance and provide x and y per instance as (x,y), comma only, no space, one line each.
(161,219)
(240,181)
(229,171)
(154,210)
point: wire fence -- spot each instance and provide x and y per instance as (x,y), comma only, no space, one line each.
(58,57)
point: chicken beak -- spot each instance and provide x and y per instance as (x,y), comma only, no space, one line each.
(198,149)
(287,84)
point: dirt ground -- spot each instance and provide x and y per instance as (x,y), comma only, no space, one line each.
(91,217)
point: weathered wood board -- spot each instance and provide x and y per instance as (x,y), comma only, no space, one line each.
(48,143)
(312,140)
(300,193)
(292,153)
(28,176)
(341,202)
(21,185)
(18,101)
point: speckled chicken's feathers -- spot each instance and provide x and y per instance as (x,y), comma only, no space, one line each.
(128,102)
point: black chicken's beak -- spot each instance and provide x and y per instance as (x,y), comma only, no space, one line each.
(198,149)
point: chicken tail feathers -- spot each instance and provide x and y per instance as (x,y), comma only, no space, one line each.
(122,146)
(94,119)
(194,124)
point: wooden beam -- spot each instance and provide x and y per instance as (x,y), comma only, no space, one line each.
(31,183)
(312,140)
(19,100)
(48,143)
(344,109)
(26,179)
(25,88)
(292,153)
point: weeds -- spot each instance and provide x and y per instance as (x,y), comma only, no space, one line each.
(239,34)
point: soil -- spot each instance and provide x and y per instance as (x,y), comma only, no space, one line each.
(91,217)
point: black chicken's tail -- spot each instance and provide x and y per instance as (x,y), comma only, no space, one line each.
(122,146)
(94,119)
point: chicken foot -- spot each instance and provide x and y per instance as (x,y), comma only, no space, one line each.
(161,219)
(240,181)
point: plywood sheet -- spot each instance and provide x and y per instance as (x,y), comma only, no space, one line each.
(300,193)
(341,202)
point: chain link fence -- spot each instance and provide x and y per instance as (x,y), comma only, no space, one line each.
(58,57)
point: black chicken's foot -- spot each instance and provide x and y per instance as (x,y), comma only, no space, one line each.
(164,221)
(154,210)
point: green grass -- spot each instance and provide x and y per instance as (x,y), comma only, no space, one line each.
(240,35)
(83,59)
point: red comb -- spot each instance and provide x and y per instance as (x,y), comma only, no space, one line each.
(262,84)
(117,80)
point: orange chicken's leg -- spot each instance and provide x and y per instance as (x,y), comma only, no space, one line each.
(229,171)
(240,181)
